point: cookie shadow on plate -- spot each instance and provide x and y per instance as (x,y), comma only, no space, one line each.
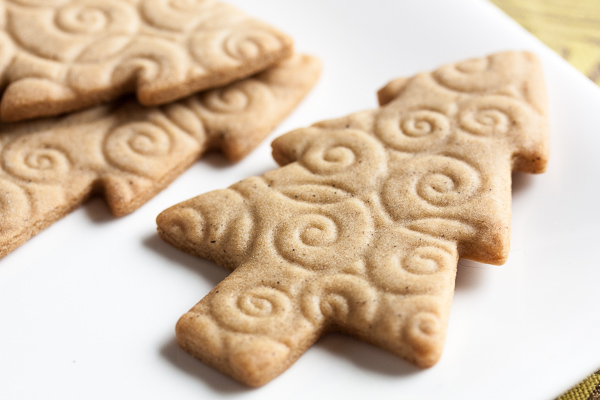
(521,181)
(216,160)
(170,350)
(201,372)
(469,274)
(97,210)
(209,270)
(365,356)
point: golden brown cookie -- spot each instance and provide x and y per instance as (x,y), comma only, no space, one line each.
(64,55)
(128,152)
(361,228)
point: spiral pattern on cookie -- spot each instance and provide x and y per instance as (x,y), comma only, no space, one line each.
(481,74)
(134,147)
(180,15)
(151,63)
(433,181)
(227,101)
(39,161)
(321,240)
(189,5)
(411,131)
(238,98)
(403,261)
(342,299)
(297,238)
(426,260)
(485,122)
(33,3)
(430,184)
(254,309)
(228,48)
(422,330)
(247,43)
(188,224)
(91,17)
(466,75)
(492,115)
(350,154)
(423,122)
(472,66)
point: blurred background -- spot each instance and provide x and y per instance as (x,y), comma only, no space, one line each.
(569,27)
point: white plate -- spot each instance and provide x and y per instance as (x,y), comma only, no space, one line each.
(87,307)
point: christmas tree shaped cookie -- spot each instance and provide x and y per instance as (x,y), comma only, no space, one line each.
(129,153)
(361,228)
(64,55)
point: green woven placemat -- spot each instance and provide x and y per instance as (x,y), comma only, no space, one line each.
(589,389)
(570,27)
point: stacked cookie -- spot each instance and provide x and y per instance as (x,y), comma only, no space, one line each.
(206,75)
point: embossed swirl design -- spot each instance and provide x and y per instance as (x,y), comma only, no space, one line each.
(296,238)
(181,15)
(150,63)
(317,241)
(92,17)
(440,181)
(492,115)
(99,49)
(424,122)
(428,183)
(467,76)
(249,43)
(426,260)
(39,161)
(189,224)
(136,147)
(243,97)
(227,101)
(472,66)
(40,3)
(226,48)
(411,131)
(348,153)
(76,30)
(485,121)
(187,5)
(423,329)
(252,310)
(341,299)
(481,75)
(447,182)
(404,262)
(261,302)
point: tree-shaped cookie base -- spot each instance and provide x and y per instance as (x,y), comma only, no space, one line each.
(58,56)
(361,228)
(129,153)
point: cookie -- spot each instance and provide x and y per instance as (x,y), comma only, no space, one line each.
(64,55)
(361,228)
(128,152)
